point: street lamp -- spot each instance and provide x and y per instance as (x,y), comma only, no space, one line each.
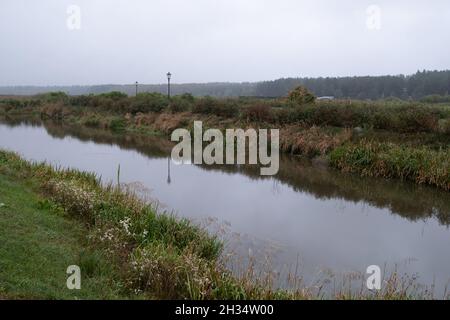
(169,76)
(136,88)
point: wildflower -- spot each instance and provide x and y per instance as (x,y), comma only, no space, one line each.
(126,223)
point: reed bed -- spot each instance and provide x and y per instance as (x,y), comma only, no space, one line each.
(387,160)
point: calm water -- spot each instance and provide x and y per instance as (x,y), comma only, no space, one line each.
(308,215)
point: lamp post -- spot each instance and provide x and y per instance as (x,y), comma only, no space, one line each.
(136,88)
(169,76)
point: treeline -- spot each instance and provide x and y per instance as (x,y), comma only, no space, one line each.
(219,89)
(430,86)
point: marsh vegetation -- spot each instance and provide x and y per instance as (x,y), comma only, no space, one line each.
(347,133)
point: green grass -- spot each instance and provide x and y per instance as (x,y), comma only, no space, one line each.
(77,213)
(387,160)
(39,243)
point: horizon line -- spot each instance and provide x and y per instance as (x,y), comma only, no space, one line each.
(220,82)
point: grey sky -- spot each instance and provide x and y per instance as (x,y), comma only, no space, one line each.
(121,41)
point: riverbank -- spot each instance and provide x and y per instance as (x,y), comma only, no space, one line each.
(156,255)
(340,133)
(302,174)
(147,254)
(39,243)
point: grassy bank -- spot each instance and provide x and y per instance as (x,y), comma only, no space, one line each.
(387,160)
(319,129)
(39,243)
(125,248)
(156,256)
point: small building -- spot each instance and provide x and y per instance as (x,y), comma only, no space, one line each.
(325,98)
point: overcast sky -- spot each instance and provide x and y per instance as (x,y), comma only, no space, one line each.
(122,41)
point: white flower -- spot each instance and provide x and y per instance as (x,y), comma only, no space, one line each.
(126,223)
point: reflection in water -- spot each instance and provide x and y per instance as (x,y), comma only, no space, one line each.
(406,199)
(168,171)
(308,214)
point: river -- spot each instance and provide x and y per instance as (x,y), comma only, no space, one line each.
(308,219)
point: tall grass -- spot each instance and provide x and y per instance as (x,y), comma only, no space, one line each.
(387,160)
(313,141)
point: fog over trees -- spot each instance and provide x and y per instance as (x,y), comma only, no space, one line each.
(416,86)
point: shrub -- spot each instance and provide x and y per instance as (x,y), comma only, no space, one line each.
(204,105)
(187,97)
(114,95)
(54,97)
(117,124)
(81,101)
(54,111)
(286,116)
(113,101)
(181,103)
(444,126)
(436,98)
(148,102)
(16,104)
(418,119)
(258,112)
(222,108)
(226,109)
(394,117)
(301,95)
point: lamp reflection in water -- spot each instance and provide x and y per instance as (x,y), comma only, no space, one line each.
(169,180)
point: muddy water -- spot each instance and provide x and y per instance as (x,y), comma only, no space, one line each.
(308,218)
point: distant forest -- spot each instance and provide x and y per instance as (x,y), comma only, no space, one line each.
(416,86)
